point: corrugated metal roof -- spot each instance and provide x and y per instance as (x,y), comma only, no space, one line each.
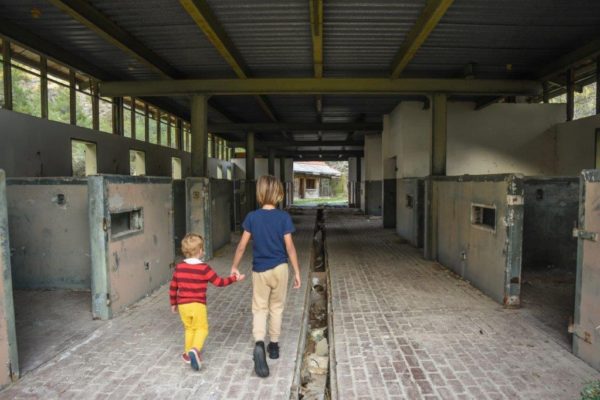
(360,39)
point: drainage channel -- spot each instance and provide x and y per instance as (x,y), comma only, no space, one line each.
(317,377)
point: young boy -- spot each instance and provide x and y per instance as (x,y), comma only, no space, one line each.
(188,294)
(271,231)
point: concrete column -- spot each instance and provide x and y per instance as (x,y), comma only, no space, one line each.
(546,92)
(271,164)
(44,86)
(118,123)
(199,131)
(439,125)
(358,182)
(72,98)
(8,103)
(250,156)
(250,182)
(570,94)
(282,179)
(95,107)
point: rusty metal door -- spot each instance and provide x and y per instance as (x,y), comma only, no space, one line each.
(586,328)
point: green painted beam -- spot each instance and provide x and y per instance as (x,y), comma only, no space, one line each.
(303,143)
(296,126)
(299,86)
(432,13)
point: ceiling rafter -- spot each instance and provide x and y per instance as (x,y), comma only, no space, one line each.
(86,14)
(214,31)
(430,16)
(316,31)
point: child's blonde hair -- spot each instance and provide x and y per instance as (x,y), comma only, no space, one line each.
(192,244)
(269,190)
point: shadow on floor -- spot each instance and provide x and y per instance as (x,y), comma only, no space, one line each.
(549,297)
(50,321)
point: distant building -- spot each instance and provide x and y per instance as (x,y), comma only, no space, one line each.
(312,179)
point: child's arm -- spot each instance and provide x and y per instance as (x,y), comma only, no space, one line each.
(173,292)
(218,281)
(291,250)
(239,253)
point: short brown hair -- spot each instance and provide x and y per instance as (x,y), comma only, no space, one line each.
(269,190)
(192,244)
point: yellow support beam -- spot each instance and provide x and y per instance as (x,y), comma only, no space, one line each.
(432,13)
(312,86)
(316,29)
(216,35)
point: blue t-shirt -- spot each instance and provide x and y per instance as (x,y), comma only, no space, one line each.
(268,228)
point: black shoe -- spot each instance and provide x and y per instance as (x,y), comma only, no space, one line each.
(273,349)
(260,360)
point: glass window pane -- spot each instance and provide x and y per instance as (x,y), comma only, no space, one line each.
(84,110)
(59,102)
(585,102)
(106,115)
(26,92)
(153,129)
(140,126)
(164,139)
(127,121)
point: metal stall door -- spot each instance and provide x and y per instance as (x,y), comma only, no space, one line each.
(389,193)
(586,329)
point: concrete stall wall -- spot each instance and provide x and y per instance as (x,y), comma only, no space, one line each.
(35,147)
(179,216)
(9,360)
(501,138)
(373,175)
(220,169)
(576,144)
(410,211)
(131,227)
(48,221)
(261,167)
(551,211)
(489,258)
(221,194)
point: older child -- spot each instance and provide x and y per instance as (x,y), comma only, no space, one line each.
(271,231)
(188,294)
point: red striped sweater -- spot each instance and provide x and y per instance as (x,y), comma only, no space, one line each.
(190,281)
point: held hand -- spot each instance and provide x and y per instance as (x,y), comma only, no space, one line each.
(297,281)
(173,309)
(240,277)
(236,272)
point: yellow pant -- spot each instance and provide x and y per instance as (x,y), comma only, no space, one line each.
(195,324)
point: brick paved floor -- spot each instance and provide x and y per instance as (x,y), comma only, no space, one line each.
(137,354)
(406,328)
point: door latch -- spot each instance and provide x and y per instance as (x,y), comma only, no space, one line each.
(585,235)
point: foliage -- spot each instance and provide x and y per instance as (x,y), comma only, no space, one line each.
(591,391)
(339,186)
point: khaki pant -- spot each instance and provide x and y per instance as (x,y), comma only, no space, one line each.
(269,290)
